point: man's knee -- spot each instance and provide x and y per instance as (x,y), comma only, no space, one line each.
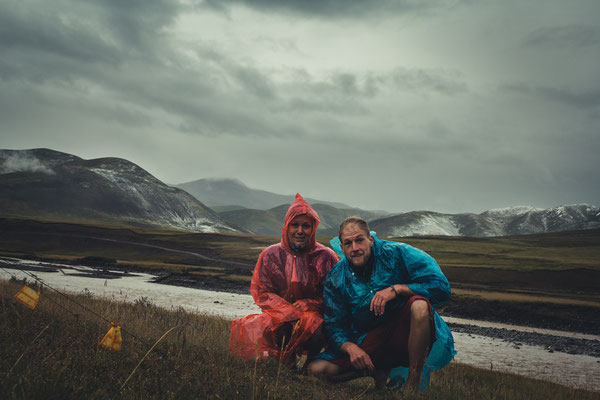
(322,368)
(419,310)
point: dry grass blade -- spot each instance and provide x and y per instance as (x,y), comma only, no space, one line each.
(146,355)
(28,347)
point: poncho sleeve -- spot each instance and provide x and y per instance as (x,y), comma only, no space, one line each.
(425,275)
(337,316)
(310,304)
(266,295)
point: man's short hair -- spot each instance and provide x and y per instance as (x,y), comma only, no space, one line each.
(362,224)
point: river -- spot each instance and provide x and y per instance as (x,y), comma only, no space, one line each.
(574,370)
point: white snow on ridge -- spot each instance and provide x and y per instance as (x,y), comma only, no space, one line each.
(511,211)
(109,174)
(428,225)
(156,204)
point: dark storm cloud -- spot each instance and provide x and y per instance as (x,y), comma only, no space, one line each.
(368,85)
(255,82)
(581,100)
(23,30)
(68,41)
(121,52)
(119,49)
(346,93)
(227,70)
(85,30)
(337,8)
(421,80)
(139,22)
(565,36)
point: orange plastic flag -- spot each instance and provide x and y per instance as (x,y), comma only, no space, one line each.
(28,296)
(112,340)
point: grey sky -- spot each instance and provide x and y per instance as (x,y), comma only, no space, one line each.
(453,106)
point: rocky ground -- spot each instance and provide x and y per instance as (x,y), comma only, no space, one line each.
(551,343)
(207,283)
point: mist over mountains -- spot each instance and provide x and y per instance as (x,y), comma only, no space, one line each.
(43,183)
(231,193)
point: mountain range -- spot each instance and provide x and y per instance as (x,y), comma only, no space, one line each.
(53,185)
(43,183)
(498,222)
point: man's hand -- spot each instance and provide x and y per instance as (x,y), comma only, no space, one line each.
(358,357)
(380,300)
(309,305)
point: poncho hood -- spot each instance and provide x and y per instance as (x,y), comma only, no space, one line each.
(300,207)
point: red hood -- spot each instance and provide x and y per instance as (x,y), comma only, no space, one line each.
(299,207)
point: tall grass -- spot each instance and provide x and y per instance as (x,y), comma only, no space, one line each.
(59,358)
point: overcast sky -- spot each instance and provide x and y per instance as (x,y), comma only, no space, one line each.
(450,106)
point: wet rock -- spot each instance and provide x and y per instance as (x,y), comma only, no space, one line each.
(551,343)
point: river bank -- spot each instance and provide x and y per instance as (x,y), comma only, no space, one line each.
(478,343)
(554,342)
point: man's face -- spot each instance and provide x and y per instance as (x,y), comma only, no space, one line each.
(356,245)
(299,231)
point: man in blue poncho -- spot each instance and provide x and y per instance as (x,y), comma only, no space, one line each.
(378,312)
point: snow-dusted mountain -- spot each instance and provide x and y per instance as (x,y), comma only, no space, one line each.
(48,183)
(497,222)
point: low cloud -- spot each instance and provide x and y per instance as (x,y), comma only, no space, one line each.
(422,80)
(15,163)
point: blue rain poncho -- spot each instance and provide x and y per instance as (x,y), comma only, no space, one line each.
(347,299)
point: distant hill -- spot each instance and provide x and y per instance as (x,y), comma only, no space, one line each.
(269,222)
(50,184)
(217,192)
(500,222)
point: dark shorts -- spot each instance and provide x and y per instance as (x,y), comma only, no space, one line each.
(387,344)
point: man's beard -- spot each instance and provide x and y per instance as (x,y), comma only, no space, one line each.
(297,248)
(366,264)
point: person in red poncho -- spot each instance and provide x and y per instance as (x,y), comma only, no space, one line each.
(287,285)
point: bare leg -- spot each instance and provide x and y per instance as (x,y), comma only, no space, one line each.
(323,368)
(418,343)
(331,372)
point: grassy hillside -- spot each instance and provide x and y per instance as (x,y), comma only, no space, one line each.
(52,352)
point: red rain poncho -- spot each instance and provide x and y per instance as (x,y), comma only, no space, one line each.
(288,287)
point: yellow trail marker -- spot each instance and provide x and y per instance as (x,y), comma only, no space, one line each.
(28,296)
(112,340)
